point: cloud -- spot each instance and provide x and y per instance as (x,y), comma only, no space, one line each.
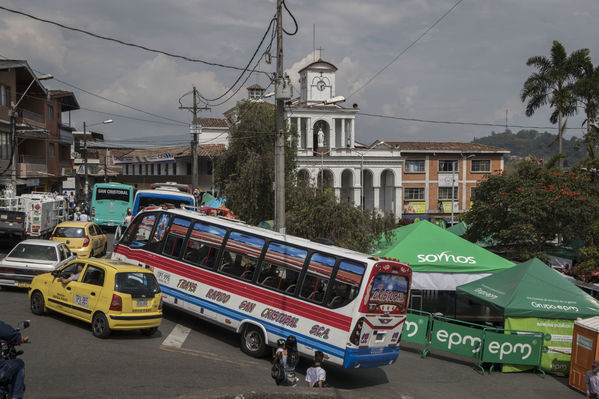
(23,38)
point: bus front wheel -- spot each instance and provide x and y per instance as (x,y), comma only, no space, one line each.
(252,341)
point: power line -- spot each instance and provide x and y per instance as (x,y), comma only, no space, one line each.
(406,49)
(270,25)
(459,123)
(107,99)
(130,117)
(118,103)
(124,43)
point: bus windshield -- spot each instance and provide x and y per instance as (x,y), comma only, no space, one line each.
(389,293)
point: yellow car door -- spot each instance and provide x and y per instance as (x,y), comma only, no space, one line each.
(86,292)
(60,292)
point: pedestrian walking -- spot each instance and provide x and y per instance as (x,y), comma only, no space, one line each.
(592,381)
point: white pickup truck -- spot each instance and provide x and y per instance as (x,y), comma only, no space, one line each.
(30,258)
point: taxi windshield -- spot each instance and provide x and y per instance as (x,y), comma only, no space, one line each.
(137,284)
(69,232)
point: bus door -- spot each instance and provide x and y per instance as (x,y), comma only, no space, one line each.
(383,307)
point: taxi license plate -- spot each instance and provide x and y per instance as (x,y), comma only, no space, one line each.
(23,285)
(141,303)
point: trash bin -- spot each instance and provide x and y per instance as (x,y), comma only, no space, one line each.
(584,350)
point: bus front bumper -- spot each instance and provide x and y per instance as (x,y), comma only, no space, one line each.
(370,357)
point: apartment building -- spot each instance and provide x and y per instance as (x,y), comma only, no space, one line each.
(43,139)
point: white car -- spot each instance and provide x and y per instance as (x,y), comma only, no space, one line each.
(30,258)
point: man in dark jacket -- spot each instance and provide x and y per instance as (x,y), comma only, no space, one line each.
(14,368)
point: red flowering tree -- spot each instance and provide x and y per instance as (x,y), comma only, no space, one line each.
(532,206)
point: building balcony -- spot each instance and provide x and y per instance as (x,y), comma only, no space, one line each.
(27,170)
(32,118)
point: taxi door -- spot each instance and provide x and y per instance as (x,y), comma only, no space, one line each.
(98,239)
(86,292)
(60,295)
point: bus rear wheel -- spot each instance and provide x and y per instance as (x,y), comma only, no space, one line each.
(253,342)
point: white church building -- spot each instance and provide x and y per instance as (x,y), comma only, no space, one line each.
(327,149)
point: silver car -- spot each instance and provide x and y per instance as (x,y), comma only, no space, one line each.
(30,258)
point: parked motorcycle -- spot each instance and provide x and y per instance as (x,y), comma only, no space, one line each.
(8,352)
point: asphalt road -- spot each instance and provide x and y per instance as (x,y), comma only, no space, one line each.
(192,358)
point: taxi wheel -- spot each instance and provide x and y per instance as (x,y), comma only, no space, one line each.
(149,331)
(103,253)
(252,342)
(38,305)
(100,326)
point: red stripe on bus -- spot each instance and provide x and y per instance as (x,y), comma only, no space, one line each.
(246,290)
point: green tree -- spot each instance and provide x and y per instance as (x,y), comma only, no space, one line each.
(586,91)
(314,212)
(552,84)
(244,172)
(529,208)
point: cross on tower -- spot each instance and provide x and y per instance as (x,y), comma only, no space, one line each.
(320,49)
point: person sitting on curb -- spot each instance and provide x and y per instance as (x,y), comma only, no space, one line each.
(315,375)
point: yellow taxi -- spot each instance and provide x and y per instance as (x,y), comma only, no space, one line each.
(86,239)
(109,294)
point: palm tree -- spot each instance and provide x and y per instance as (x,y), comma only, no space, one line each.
(552,84)
(586,91)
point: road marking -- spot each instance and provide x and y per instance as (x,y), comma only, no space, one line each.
(176,338)
(214,356)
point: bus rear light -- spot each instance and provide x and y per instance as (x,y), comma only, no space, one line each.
(160,304)
(116,303)
(93,211)
(355,335)
(86,241)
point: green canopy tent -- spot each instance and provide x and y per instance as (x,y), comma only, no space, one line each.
(458,228)
(532,289)
(440,260)
(534,297)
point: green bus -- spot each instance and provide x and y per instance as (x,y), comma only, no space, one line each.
(110,202)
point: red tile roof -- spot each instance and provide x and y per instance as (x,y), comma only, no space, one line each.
(430,146)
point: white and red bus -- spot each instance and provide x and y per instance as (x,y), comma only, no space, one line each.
(265,285)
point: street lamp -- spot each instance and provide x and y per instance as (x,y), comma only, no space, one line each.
(85,125)
(378,142)
(322,154)
(13,131)
(453,176)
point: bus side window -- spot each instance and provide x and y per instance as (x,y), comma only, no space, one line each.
(204,244)
(159,233)
(138,233)
(346,285)
(316,280)
(241,264)
(282,266)
(175,237)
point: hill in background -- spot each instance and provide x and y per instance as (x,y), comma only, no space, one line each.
(533,143)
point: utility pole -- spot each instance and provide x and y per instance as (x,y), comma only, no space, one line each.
(195,129)
(14,146)
(86,182)
(280,137)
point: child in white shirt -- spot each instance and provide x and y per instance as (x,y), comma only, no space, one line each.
(315,375)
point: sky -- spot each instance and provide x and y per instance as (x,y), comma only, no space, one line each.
(469,68)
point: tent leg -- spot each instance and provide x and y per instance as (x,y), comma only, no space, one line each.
(541,372)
